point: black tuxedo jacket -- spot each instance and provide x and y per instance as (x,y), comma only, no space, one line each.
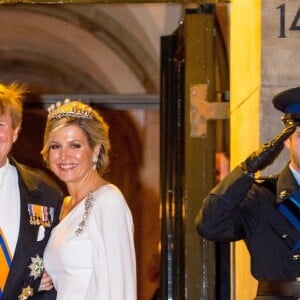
(33,190)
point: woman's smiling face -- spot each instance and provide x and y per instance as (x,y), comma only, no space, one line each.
(70,155)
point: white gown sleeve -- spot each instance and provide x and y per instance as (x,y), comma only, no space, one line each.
(114,262)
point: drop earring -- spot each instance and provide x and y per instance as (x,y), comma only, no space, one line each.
(95,161)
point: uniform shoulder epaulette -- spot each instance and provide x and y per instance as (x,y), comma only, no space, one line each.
(268,182)
(266,178)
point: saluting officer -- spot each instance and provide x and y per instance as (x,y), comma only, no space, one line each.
(263,213)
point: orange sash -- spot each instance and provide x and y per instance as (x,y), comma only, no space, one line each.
(5,261)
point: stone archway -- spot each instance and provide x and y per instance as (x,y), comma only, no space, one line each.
(95,49)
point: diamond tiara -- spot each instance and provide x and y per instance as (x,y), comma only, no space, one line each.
(75,109)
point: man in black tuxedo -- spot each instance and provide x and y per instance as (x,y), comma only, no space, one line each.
(29,209)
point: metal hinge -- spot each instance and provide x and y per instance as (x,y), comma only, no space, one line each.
(202,110)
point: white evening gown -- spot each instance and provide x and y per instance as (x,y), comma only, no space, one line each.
(99,263)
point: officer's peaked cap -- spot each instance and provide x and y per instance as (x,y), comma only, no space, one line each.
(288,102)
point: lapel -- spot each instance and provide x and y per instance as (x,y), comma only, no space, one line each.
(286,185)
(281,187)
(27,245)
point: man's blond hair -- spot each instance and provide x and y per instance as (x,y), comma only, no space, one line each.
(11,101)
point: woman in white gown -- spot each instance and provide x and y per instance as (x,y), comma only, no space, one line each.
(90,254)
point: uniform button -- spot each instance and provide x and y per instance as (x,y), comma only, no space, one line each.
(296,257)
(284,236)
(298,279)
(282,194)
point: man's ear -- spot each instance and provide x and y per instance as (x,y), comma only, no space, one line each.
(287,143)
(16,133)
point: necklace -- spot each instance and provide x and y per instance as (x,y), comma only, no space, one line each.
(88,205)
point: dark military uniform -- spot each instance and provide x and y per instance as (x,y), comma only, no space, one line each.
(33,190)
(241,208)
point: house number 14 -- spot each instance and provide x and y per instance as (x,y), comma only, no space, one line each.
(295,25)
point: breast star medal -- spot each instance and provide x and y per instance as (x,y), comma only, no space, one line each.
(36,267)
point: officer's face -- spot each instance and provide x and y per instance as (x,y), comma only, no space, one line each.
(293,144)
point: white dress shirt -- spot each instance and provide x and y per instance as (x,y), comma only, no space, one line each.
(9,205)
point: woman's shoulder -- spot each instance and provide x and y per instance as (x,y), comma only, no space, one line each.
(109,195)
(108,189)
